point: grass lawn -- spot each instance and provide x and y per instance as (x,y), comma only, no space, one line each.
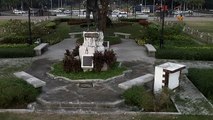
(206,26)
(53,116)
(132,28)
(61,32)
(114,71)
(2,22)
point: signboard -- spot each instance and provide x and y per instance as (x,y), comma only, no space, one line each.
(87,61)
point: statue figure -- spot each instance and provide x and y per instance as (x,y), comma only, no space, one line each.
(92,6)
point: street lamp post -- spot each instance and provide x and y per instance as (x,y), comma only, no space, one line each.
(29,25)
(162,9)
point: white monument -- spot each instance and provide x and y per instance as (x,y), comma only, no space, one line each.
(93,41)
(167,75)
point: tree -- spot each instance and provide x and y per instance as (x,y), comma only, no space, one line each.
(103,14)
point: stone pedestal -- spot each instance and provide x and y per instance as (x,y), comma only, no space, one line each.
(93,41)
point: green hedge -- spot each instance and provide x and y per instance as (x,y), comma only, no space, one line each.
(13,39)
(16,93)
(131,20)
(16,51)
(203,79)
(186,53)
(112,40)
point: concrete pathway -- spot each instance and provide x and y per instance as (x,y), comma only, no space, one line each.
(134,57)
(189,100)
(128,50)
(56,52)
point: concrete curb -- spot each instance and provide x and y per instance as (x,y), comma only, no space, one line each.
(62,105)
(87,80)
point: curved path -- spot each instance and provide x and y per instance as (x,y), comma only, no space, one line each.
(73,97)
(60,94)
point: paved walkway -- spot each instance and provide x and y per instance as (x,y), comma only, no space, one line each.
(56,52)
(70,94)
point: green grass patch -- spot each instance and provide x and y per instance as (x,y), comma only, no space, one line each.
(125,27)
(202,26)
(114,71)
(61,32)
(16,93)
(203,80)
(16,51)
(112,40)
(3,22)
(131,28)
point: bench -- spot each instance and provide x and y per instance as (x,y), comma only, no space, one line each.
(137,81)
(72,35)
(150,50)
(41,48)
(124,34)
(35,82)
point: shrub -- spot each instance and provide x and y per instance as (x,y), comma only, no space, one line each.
(121,24)
(131,20)
(16,93)
(112,40)
(15,51)
(186,53)
(140,41)
(16,27)
(84,25)
(110,57)
(174,29)
(51,25)
(59,34)
(98,60)
(75,51)
(144,23)
(76,21)
(179,40)
(152,33)
(71,64)
(14,39)
(60,20)
(138,96)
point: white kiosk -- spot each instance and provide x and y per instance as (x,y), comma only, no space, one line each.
(167,75)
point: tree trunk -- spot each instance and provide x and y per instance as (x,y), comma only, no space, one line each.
(103,14)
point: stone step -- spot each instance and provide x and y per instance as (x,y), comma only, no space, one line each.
(86,106)
(136,81)
(35,82)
